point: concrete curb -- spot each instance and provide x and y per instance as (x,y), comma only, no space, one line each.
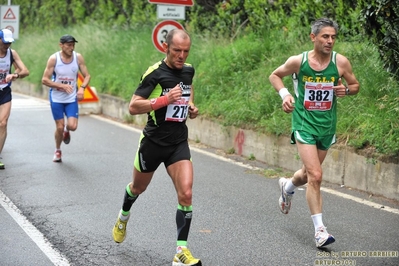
(342,166)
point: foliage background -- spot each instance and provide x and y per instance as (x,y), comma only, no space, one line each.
(236,45)
(377,19)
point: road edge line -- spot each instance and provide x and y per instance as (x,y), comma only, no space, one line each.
(37,237)
(331,191)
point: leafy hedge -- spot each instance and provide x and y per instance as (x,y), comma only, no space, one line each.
(381,22)
(377,20)
(48,14)
(233,16)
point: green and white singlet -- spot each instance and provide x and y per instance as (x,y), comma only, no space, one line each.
(315,102)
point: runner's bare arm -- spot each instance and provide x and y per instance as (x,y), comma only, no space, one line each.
(345,71)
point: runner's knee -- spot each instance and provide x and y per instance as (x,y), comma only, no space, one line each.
(185,197)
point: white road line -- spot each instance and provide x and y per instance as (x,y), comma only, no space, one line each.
(37,237)
(30,103)
(362,201)
(331,191)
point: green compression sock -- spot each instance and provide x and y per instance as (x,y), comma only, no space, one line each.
(183,222)
(128,200)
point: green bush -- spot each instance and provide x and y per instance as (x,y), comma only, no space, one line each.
(50,14)
(378,19)
(381,22)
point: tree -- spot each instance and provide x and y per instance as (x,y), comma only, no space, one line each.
(381,24)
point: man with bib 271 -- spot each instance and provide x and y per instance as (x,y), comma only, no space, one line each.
(166,94)
(317,81)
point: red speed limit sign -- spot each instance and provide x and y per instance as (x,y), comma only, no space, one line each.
(161,30)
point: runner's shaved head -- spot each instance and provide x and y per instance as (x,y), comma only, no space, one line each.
(181,33)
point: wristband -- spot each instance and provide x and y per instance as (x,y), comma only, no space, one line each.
(283,92)
(159,102)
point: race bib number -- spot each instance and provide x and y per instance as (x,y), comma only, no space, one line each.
(318,96)
(178,110)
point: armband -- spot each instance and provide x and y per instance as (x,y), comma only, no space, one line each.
(283,92)
(159,102)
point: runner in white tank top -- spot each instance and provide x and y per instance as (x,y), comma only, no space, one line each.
(60,75)
(65,73)
(8,59)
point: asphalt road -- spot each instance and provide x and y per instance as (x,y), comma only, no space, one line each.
(63,213)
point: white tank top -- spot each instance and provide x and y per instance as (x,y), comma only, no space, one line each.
(5,66)
(66,73)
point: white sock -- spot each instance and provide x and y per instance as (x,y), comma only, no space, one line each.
(123,217)
(317,220)
(289,187)
(178,248)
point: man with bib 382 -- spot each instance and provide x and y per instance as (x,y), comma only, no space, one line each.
(317,76)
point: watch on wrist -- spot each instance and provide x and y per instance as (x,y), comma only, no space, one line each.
(347,91)
(17,75)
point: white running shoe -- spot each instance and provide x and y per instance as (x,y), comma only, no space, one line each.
(284,201)
(322,237)
(57,156)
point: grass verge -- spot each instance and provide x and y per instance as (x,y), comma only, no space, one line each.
(231,82)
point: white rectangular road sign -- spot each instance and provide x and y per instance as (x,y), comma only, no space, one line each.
(9,19)
(171,12)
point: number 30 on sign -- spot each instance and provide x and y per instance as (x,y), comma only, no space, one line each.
(161,30)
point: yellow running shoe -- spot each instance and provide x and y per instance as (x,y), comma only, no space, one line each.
(119,231)
(183,257)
